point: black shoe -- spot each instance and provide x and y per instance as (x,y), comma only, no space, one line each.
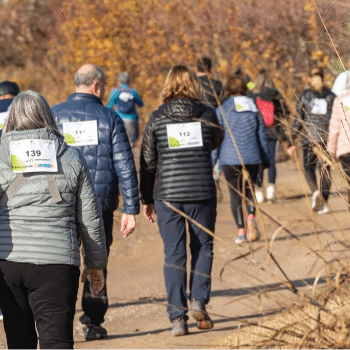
(199,313)
(92,332)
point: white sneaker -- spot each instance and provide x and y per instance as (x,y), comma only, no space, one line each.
(271,192)
(315,201)
(324,210)
(259,195)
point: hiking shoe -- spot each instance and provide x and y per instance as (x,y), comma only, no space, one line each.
(316,203)
(179,327)
(93,332)
(323,210)
(271,193)
(199,313)
(253,233)
(241,236)
(259,195)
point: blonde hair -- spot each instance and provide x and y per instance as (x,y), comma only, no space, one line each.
(181,82)
(30,110)
(316,79)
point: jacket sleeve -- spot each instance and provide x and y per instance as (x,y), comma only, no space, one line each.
(339,85)
(148,162)
(124,167)
(112,100)
(89,221)
(297,123)
(281,113)
(138,98)
(263,143)
(215,154)
(334,127)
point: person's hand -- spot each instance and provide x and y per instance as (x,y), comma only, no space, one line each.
(96,279)
(128,224)
(148,212)
(291,150)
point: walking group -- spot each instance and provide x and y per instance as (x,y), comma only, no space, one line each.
(61,170)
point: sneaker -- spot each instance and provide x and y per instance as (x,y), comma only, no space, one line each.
(271,192)
(253,233)
(324,210)
(259,195)
(316,201)
(179,327)
(241,236)
(93,332)
(199,313)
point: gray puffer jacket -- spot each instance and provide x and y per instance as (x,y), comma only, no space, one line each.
(36,229)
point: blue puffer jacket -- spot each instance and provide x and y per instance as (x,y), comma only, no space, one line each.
(249,132)
(111,161)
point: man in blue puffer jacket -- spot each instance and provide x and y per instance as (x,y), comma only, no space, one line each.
(100,135)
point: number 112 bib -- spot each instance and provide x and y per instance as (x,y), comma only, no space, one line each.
(184,135)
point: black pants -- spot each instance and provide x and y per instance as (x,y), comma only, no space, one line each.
(41,295)
(345,162)
(273,146)
(311,162)
(96,307)
(233,175)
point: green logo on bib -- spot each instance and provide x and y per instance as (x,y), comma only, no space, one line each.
(239,107)
(173,142)
(16,163)
(68,138)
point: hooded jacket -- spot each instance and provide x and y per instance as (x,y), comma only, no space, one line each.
(34,228)
(315,110)
(111,161)
(171,169)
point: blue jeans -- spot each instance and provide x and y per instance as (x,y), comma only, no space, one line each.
(172,227)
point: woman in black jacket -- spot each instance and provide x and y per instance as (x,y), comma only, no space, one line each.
(315,109)
(176,176)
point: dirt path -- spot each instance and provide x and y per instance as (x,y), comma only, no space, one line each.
(247,289)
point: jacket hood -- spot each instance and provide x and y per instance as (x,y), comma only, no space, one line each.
(43,134)
(182,109)
(268,94)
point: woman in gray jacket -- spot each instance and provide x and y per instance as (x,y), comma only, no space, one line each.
(47,206)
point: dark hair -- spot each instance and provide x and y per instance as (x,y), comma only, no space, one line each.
(9,87)
(204,65)
(262,80)
(236,85)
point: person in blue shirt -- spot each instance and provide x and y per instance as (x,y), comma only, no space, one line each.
(124,99)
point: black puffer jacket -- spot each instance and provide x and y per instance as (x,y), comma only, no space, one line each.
(207,86)
(171,171)
(315,110)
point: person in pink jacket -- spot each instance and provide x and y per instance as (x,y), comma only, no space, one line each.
(339,133)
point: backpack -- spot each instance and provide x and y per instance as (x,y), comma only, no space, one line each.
(267,110)
(126,101)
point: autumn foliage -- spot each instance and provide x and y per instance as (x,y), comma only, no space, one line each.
(145,38)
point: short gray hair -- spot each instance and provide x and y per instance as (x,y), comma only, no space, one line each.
(30,110)
(123,78)
(87,78)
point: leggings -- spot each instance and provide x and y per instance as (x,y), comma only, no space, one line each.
(273,146)
(311,162)
(233,175)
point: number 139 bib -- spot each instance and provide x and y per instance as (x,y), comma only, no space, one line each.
(184,135)
(29,156)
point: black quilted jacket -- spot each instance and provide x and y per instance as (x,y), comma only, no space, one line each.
(172,173)
(315,110)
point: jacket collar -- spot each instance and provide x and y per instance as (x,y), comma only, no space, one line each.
(79,96)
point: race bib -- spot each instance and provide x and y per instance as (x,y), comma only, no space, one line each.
(244,104)
(346,103)
(28,156)
(184,135)
(81,133)
(3,116)
(319,106)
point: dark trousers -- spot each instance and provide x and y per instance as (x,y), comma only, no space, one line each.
(311,163)
(41,295)
(96,307)
(345,162)
(234,176)
(172,227)
(273,146)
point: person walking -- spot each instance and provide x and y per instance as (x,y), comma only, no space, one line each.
(48,205)
(175,169)
(338,144)
(124,99)
(8,91)
(274,110)
(243,156)
(314,110)
(100,135)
